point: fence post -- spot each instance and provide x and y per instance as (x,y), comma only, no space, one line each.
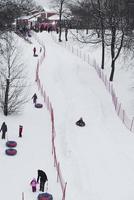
(84,57)
(64,192)
(58,171)
(88,59)
(132,124)
(116,101)
(123,116)
(22,195)
(119,109)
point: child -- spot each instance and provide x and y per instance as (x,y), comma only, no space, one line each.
(20,130)
(34,97)
(34,51)
(33,183)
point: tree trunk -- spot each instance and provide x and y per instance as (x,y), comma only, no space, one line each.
(112,70)
(60,21)
(66,33)
(60,34)
(6,98)
(113,40)
(103,51)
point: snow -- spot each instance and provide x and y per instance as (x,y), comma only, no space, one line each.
(97,161)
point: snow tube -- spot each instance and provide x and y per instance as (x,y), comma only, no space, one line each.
(35,55)
(11,152)
(38,105)
(80,123)
(11,144)
(45,196)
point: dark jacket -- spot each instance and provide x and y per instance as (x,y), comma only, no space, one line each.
(42,176)
(4,127)
(34,97)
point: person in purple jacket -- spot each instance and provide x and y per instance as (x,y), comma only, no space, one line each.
(33,183)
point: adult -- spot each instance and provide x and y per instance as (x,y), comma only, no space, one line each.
(43,178)
(80,122)
(4,130)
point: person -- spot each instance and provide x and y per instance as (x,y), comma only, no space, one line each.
(43,178)
(4,130)
(80,122)
(33,183)
(20,130)
(34,51)
(34,97)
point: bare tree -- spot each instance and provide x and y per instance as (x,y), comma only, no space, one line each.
(99,14)
(12,78)
(91,15)
(117,25)
(60,8)
(11,9)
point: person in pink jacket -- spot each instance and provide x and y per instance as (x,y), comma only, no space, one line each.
(33,183)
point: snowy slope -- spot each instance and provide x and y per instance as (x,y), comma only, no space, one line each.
(97,161)
(34,148)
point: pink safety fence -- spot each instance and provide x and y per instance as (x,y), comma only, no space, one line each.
(129,123)
(63,184)
(117,104)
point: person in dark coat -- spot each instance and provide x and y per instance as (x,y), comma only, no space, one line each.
(34,97)
(34,51)
(80,122)
(4,130)
(43,178)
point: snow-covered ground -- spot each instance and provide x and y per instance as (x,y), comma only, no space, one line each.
(97,161)
(124,69)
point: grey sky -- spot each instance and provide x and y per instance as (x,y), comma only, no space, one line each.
(43,2)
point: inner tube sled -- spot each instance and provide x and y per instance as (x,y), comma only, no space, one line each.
(45,196)
(11,144)
(38,105)
(80,122)
(11,152)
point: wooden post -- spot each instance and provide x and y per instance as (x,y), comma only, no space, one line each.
(22,195)
(64,192)
(58,171)
(123,116)
(88,58)
(132,124)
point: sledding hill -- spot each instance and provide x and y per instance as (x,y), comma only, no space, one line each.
(97,160)
(34,148)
